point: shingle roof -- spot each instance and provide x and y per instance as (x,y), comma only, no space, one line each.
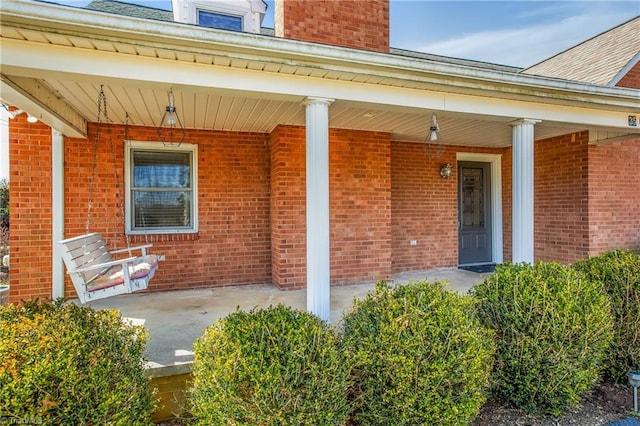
(128,9)
(597,60)
(137,11)
(450,60)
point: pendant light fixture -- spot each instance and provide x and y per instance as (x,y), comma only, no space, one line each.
(170,130)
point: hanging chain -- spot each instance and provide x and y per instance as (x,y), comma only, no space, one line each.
(103,117)
(102,114)
(120,202)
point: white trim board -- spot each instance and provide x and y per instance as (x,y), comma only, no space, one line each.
(495,160)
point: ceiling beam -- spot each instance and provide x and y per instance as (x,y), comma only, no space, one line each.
(30,95)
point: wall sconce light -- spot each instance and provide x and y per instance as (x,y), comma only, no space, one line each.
(446,170)
(16,112)
(170,130)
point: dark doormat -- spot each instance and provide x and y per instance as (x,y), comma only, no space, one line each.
(480,269)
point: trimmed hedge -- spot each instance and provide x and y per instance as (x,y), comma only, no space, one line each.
(418,356)
(61,364)
(273,366)
(618,271)
(553,328)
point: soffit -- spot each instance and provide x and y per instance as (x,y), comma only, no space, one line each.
(213,110)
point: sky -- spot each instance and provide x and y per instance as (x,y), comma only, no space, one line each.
(518,33)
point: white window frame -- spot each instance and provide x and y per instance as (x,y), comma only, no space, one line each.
(130,146)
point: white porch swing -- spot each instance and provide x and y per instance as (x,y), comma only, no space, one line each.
(90,264)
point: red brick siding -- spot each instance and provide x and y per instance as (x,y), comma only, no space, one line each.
(507,204)
(348,23)
(560,202)
(360,205)
(424,208)
(233,242)
(30,204)
(288,207)
(614,196)
(632,78)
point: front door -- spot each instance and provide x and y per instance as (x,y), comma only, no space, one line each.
(474,213)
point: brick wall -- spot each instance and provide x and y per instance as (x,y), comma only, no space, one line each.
(170,393)
(30,204)
(560,204)
(233,242)
(632,78)
(360,205)
(614,196)
(507,204)
(349,23)
(288,207)
(424,208)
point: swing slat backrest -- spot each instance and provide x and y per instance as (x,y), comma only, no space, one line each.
(86,250)
(94,272)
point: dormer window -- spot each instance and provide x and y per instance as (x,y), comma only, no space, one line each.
(207,18)
(235,15)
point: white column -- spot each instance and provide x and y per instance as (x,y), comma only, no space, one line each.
(57,178)
(523,190)
(318,264)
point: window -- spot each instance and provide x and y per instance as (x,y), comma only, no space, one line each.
(161,188)
(219,20)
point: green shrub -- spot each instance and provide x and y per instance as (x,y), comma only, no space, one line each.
(418,356)
(273,366)
(61,364)
(553,327)
(619,272)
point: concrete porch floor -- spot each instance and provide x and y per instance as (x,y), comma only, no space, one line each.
(175,319)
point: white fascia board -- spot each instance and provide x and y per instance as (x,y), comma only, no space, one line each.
(271,49)
(84,65)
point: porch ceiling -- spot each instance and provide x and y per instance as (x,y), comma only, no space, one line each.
(55,61)
(209,109)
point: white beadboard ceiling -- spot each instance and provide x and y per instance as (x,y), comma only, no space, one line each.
(210,110)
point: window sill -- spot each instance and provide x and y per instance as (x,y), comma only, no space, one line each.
(152,238)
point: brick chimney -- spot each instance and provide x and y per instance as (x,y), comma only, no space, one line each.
(360,24)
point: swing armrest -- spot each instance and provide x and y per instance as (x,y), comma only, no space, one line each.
(104,265)
(129,249)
